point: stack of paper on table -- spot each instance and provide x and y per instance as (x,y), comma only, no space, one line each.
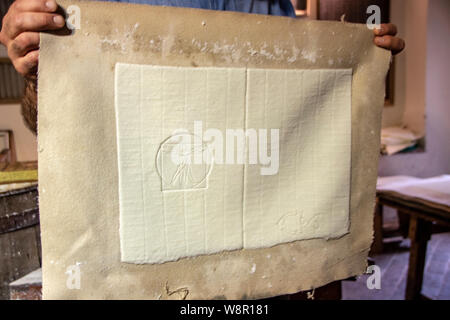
(433,191)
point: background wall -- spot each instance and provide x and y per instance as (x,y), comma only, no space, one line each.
(436,159)
(11,119)
(26,144)
(410,16)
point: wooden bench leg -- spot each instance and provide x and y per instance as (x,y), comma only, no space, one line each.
(403,219)
(419,233)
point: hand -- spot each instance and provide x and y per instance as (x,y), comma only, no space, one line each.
(385,37)
(20,32)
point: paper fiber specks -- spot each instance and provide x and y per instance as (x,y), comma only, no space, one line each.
(220,159)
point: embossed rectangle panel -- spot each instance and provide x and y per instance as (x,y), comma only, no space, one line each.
(170,210)
(309,196)
(219,159)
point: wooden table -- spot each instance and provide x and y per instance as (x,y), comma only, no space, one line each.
(423,212)
(20,245)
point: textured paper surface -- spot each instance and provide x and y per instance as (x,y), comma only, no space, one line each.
(78,167)
(228,206)
(160,222)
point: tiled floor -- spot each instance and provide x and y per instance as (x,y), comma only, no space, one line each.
(394,268)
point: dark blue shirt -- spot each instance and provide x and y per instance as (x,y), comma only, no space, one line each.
(270,7)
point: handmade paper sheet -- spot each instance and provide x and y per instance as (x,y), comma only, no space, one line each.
(80,168)
(278,171)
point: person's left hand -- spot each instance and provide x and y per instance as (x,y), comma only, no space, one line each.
(385,37)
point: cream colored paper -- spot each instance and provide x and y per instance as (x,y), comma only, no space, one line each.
(78,167)
(309,196)
(161,220)
(299,120)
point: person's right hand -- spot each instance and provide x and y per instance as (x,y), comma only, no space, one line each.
(20,31)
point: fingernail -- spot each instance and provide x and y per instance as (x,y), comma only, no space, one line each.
(58,20)
(50,5)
